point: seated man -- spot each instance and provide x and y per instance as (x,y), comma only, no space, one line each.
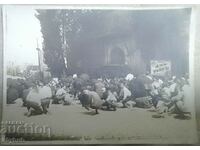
(181,100)
(60,95)
(99,87)
(155,90)
(124,95)
(164,99)
(69,98)
(110,100)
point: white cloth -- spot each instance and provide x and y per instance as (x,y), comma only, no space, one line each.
(45,92)
(160,81)
(129,77)
(111,97)
(74,76)
(166,93)
(172,87)
(60,92)
(155,87)
(183,99)
(127,93)
(149,77)
(68,98)
(55,80)
(179,96)
(131,104)
(161,107)
(34,96)
(96,100)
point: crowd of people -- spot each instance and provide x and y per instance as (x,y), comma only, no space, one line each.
(164,95)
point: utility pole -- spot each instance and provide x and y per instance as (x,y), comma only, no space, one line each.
(39,61)
(63,12)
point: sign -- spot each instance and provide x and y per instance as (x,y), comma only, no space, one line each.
(160,67)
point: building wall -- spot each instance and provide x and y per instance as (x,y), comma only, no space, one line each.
(133,57)
(1,66)
(196,62)
(91,56)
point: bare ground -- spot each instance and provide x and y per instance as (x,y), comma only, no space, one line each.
(124,126)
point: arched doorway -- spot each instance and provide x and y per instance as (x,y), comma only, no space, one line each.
(117,56)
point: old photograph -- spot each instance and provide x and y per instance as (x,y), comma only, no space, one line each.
(97,75)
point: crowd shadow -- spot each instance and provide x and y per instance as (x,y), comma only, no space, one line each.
(151,110)
(180,117)
(90,113)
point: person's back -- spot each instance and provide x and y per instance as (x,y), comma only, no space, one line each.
(77,83)
(127,92)
(173,89)
(99,88)
(25,94)
(91,99)
(33,102)
(60,92)
(68,99)
(165,93)
(34,96)
(137,88)
(45,92)
(96,100)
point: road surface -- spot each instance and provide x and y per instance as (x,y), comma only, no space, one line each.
(75,125)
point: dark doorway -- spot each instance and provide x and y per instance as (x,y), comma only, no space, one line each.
(117,56)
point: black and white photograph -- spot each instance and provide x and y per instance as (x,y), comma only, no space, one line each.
(98,75)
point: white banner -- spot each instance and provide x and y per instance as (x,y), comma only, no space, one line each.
(160,67)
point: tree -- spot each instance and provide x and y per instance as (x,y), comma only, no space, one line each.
(51,22)
(60,30)
(157,34)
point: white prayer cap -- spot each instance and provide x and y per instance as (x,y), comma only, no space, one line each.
(85,91)
(174,77)
(74,76)
(99,79)
(129,77)
(103,89)
(55,80)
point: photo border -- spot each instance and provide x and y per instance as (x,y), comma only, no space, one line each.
(1,66)
(194,53)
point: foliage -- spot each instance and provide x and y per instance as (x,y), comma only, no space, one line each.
(13,71)
(52,41)
(64,31)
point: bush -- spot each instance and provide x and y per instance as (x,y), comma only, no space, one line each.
(12,95)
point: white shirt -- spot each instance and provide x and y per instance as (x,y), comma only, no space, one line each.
(166,93)
(187,97)
(34,96)
(45,92)
(111,97)
(60,92)
(156,85)
(160,81)
(172,87)
(126,92)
